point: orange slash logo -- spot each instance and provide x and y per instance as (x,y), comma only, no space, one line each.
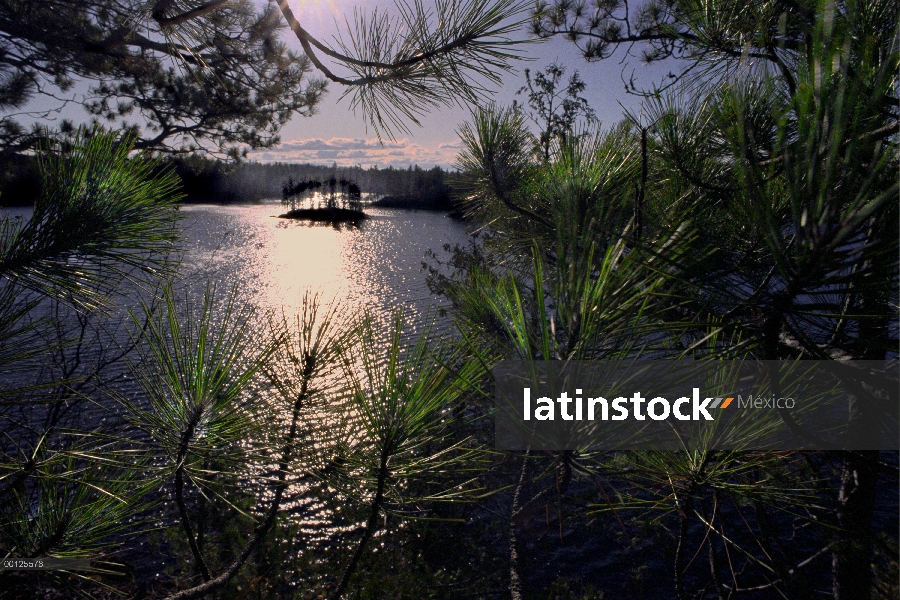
(718,403)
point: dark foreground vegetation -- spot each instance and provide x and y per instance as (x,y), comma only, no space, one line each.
(221,451)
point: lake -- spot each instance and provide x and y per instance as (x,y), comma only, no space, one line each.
(272,262)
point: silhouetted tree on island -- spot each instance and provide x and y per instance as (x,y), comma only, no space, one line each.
(292,191)
(335,192)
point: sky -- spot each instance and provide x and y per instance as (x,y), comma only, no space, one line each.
(336,134)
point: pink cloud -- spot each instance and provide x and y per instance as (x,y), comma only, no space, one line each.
(362,151)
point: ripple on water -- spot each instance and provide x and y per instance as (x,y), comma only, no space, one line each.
(272,262)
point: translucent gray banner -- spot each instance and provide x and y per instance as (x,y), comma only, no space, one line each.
(46,564)
(689,405)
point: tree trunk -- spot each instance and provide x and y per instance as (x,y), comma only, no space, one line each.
(852,555)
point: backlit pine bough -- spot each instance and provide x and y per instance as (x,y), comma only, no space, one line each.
(396,67)
(225,95)
(748,214)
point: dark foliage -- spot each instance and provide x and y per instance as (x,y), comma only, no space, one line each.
(234,89)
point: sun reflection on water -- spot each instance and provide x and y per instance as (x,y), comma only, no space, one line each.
(273,262)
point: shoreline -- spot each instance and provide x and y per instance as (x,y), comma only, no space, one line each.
(328,215)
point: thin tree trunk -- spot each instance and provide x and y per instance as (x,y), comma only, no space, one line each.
(186,525)
(371,526)
(679,549)
(714,567)
(186,438)
(639,196)
(852,557)
(853,549)
(515,580)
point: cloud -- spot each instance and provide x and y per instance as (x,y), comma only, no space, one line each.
(361,151)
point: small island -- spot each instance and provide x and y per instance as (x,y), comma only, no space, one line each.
(338,202)
(326,214)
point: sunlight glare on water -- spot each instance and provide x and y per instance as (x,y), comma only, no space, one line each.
(273,262)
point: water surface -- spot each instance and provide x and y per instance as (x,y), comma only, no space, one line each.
(273,262)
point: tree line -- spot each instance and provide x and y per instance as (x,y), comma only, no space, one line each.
(208,180)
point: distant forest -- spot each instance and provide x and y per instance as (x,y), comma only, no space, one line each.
(207,180)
